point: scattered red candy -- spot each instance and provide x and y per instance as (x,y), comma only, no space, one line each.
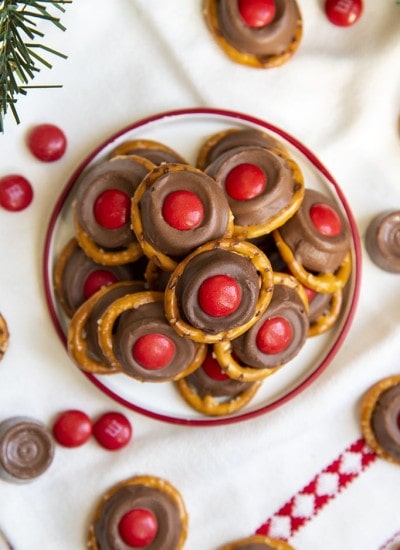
(112,209)
(343,12)
(112,431)
(96,280)
(245,181)
(153,351)
(138,527)
(47,142)
(72,428)
(325,219)
(213,369)
(183,210)
(219,295)
(257,13)
(16,192)
(274,335)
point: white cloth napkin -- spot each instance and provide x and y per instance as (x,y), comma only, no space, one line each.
(339,95)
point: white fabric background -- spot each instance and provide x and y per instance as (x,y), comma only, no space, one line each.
(340,95)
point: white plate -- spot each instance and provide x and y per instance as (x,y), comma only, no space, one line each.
(185,131)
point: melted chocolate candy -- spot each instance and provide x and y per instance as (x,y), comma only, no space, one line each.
(208,264)
(285,303)
(382,241)
(240,138)
(26,449)
(150,319)
(172,241)
(385,421)
(270,40)
(279,188)
(205,385)
(98,309)
(139,496)
(315,251)
(77,270)
(119,173)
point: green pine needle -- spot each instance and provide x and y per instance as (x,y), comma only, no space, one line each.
(21,56)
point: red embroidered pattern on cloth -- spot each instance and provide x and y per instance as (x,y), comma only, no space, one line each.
(325,486)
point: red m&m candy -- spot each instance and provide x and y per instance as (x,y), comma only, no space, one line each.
(96,280)
(213,369)
(257,13)
(16,192)
(138,527)
(47,142)
(72,428)
(274,335)
(245,181)
(153,351)
(325,219)
(183,210)
(343,12)
(112,209)
(112,431)
(219,295)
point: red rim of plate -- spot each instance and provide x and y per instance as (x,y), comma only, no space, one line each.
(356,267)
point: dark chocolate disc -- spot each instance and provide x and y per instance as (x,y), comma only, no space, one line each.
(205,265)
(285,304)
(382,240)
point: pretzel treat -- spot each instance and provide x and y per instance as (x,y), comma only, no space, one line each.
(144,345)
(264,188)
(82,341)
(210,391)
(315,244)
(4,336)
(380,413)
(175,209)
(257,542)
(141,499)
(154,151)
(277,337)
(102,209)
(226,140)
(324,310)
(263,43)
(219,291)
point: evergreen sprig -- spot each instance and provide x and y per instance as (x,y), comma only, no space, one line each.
(21,55)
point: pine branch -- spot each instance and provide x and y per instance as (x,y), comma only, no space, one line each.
(21,55)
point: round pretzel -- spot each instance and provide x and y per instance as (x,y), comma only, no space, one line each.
(148,481)
(4,336)
(213,406)
(260,229)
(165,262)
(323,282)
(257,61)
(126,255)
(243,248)
(58,273)
(129,148)
(134,301)
(223,350)
(326,321)
(76,342)
(368,404)
(277,544)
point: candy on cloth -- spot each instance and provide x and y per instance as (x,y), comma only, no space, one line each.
(264,47)
(382,240)
(140,492)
